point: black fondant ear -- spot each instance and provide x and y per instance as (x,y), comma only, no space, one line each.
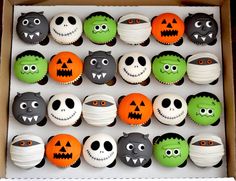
(19,94)
(146,136)
(155,139)
(50,138)
(190,139)
(120,99)
(189,98)
(37,94)
(90,52)
(211,15)
(85,139)
(153,99)
(190,14)
(108,53)
(41,12)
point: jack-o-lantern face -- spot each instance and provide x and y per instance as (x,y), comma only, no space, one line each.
(135,109)
(167,28)
(63,150)
(65,67)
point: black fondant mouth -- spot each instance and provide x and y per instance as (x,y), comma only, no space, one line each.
(64,73)
(169,33)
(135,115)
(62,156)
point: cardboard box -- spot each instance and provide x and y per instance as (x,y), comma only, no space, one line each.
(227,63)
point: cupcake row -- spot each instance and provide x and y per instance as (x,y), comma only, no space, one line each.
(65,109)
(100,67)
(101,150)
(101,28)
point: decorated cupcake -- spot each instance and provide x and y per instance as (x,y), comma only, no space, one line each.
(135,109)
(31,67)
(201,28)
(33,28)
(100,150)
(64,109)
(99,110)
(29,108)
(169,67)
(168,28)
(66,28)
(63,150)
(100,28)
(204,108)
(203,68)
(135,68)
(135,150)
(27,151)
(171,150)
(134,29)
(100,67)
(206,150)
(66,68)
(170,109)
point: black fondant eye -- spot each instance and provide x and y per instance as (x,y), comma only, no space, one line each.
(68,144)
(37,21)
(71,20)
(56,104)
(163,22)
(70,103)
(25,22)
(59,20)
(59,61)
(58,143)
(108,146)
(177,103)
(174,21)
(129,60)
(95,145)
(166,102)
(34,104)
(69,61)
(142,61)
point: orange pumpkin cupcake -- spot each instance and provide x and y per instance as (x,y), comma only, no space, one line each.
(66,68)
(63,150)
(135,109)
(168,28)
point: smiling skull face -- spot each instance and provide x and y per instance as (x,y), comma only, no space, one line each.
(100,150)
(66,28)
(64,109)
(134,67)
(170,109)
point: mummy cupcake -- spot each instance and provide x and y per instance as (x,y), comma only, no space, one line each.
(99,110)
(66,28)
(203,68)
(27,151)
(135,68)
(206,150)
(134,29)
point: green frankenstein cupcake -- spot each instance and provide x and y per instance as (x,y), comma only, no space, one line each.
(204,108)
(100,28)
(169,67)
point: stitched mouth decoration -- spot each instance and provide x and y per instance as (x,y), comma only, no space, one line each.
(134,160)
(64,73)
(31,35)
(135,75)
(65,34)
(99,75)
(64,119)
(99,159)
(169,33)
(134,115)
(62,156)
(169,117)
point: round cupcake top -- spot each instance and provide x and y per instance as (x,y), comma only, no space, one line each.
(30,66)
(171,150)
(29,108)
(134,149)
(65,67)
(66,28)
(100,150)
(206,150)
(26,150)
(167,28)
(134,28)
(64,109)
(204,108)
(100,27)
(100,67)
(99,109)
(32,27)
(135,109)
(134,67)
(201,28)
(170,109)
(63,150)
(168,67)
(203,68)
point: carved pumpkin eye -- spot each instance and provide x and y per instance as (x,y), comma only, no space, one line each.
(133,103)
(164,21)
(59,61)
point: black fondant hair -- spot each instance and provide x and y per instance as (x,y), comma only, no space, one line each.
(169,136)
(203,94)
(165,53)
(28,53)
(100,13)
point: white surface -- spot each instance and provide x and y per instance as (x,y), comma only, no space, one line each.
(120,88)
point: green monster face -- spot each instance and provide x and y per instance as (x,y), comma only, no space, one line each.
(204,108)
(30,66)
(100,27)
(171,150)
(169,67)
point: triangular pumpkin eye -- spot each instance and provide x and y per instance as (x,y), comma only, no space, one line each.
(142,104)
(58,143)
(68,144)
(69,61)
(59,61)
(133,103)
(174,21)
(164,21)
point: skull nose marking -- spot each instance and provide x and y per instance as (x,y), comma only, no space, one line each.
(65,25)
(64,65)
(62,149)
(169,25)
(137,109)
(101,151)
(63,110)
